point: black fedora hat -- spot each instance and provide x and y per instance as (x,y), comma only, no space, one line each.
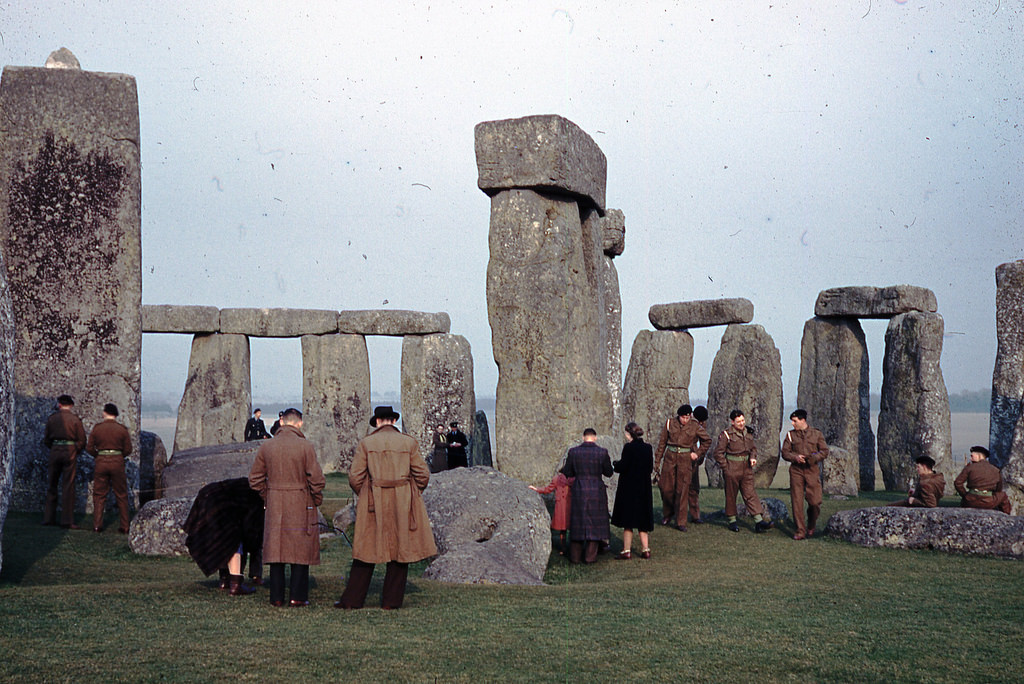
(382,412)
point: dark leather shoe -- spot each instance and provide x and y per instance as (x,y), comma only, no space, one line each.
(97,529)
(665,521)
(624,555)
(277,604)
(697,521)
(258,581)
(298,604)
(645,554)
(236,587)
(339,604)
(734,527)
(681,528)
(810,533)
(763,526)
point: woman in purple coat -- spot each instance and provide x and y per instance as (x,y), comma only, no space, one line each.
(588,523)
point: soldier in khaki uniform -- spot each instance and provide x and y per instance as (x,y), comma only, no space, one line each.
(804,448)
(700,414)
(736,455)
(980,484)
(65,438)
(109,443)
(683,442)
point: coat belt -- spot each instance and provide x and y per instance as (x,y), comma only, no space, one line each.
(390,484)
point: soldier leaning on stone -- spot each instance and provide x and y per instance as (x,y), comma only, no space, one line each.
(804,448)
(930,486)
(736,455)
(110,444)
(683,442)
(65,438)
(980,484)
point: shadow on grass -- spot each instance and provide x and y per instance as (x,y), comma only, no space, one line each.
(26,542)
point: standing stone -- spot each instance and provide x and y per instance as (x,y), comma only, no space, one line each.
(747,375)
(1008,376)
(840,472)
(335,396)
(70,219)
(834,389)
(215,404)
(437,386)
(914,416)
(1013,471)
(657,379)
(152,461)
(6,401)
(546,333)
(480,442)
(603,279)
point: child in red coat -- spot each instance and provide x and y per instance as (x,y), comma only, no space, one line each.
(560,485)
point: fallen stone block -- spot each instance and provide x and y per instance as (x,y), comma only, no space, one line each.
(169,318)
(395,323)
(874,302)
(156,530)
(192,469)
(701,313)
(278,322)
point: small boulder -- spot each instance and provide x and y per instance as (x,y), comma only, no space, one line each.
(774,510)
(157,530)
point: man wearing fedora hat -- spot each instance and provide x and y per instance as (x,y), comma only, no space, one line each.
(389,475)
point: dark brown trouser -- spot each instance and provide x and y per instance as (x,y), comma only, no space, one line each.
(392,594)
(63,464)
(577,554)
(805,481)
(998,501)
(739,478)
(674,483)
(109,474)
(695,493)
(298,589)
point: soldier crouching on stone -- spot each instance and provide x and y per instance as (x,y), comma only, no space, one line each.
(65,438)
(736,455)
(980,484)
(110,444)
(929,489)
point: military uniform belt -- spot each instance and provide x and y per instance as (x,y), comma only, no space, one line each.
(63,442)
(979,492)
(735,458)
(678,449)
(108,452)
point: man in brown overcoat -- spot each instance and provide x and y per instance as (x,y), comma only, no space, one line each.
(389,475)
(291,482)
(65,438)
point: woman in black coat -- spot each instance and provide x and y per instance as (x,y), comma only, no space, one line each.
(634,503)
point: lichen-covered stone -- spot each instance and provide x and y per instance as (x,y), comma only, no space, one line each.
(834,390)
(874,302)
(952,530)
(546,153)
(840,472)
(657,379)
(913,418)
(613,232)
(603,280)
(70,204)
(437,386)
(215,404)
(62,58)
(392,322)
(278,322)
(747,375)
(152,461)
(192,469)
(171,318)
(157,529)
(6,400)
(480,441)
(489,528)
(701,313)
(774,510)
(1008,375)
(335,396)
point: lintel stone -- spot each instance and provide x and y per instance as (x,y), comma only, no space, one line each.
(278,322)
(395,323)
(874,302)
(701,313)
(169,318)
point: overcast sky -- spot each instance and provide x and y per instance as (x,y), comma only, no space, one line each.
(320,155)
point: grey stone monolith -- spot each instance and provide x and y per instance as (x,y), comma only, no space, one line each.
(6,401)
(278,322)
(171,318)
(840,472)
(603,279)
(1013,471)
(874,302)
(657,379)
(747,375)
(701,313)
(152,461)
(335,396)
(545,319)
(1008,375)
(480,442)
(394,323)
(215,404)
(834,389)
(913,418)
(70,206)
(437,386)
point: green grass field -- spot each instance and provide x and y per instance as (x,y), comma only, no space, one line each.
(710,606)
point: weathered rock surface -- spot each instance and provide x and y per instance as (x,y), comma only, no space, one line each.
(480,441)
(156,530)
(657,379)
(192,469)
(874,302)
(953,530)
(546,333)
(218,393)
(774,510)
(1008,375)
(62,58)
(170,318)
(747,375)
(6,400)
(840,472)
(152,461)
(613,232)
(1013,471)
(70,203)
(603,281)
(701,313)
(913,419)
(834,390)
(278,322)
(489,528)
(393,322)
(546,153)
(335,396)
(437,386)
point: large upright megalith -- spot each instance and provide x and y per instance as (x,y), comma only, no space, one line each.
(335,396)
(545,302)
(70,228)
(437,386)
(6,401)
(913,419)
(747,375)
(834,389)
(657,379)
(215,404)
(1008,375)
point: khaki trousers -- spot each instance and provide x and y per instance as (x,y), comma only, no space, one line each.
(805,483)
(109,474)
(739,478)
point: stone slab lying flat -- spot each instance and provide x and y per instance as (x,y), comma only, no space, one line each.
(278,322)
(392,322)
(170,318)
(701,313)
(952,530)
(874,302)
(545,152)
